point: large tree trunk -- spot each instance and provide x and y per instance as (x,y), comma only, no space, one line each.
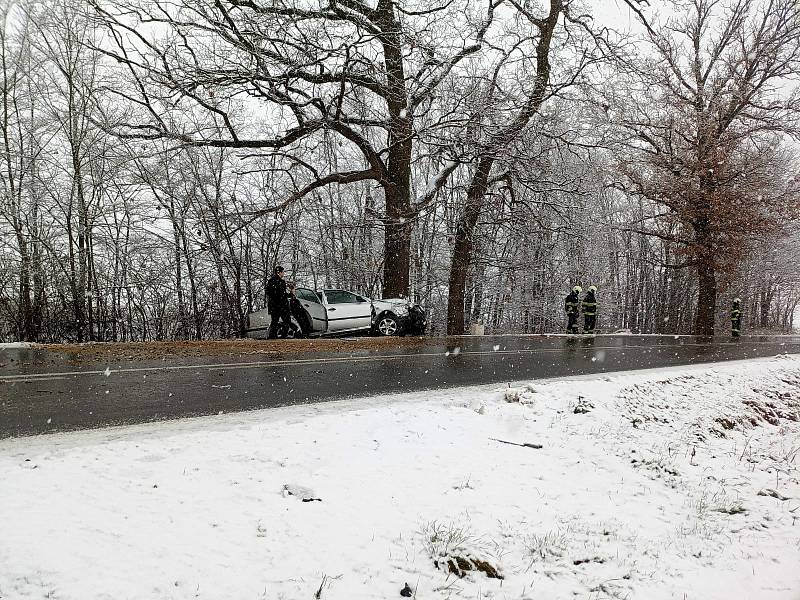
(183,322)
(767,293)
(397,234)
(397,248)
(462,246)
(196,316)
(25,325)
(706,297)
(80,284)
(706,275)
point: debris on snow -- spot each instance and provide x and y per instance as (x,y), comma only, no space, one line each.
(513,394)
(583,406)
(318,593)
(659,466)
(461,565)
(733,509)
(773,493)
(301,493)
(455,549)
(520,395)
(583,561)
(524,444)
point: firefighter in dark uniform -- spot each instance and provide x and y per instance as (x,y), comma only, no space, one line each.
(589,309)
(571,306)
(736,318)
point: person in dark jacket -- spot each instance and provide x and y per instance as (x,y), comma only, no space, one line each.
(589,309)
(736,318)
(277,303)
(571,304)
(299,314)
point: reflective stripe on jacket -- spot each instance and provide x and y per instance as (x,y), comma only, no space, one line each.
(571,303)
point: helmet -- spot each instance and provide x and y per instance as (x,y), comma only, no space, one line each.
(592,288)
(737,300)
(577,289)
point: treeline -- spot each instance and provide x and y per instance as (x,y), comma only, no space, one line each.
(158,158)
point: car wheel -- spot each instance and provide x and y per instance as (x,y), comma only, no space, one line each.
(387,325)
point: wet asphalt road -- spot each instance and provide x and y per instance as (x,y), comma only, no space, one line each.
(42,393)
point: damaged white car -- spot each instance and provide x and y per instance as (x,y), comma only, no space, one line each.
(328,312)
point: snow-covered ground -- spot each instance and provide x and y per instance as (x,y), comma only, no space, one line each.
(648,485)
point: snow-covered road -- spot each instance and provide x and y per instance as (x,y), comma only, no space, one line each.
(680,483)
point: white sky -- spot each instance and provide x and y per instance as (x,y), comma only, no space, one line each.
(617,14)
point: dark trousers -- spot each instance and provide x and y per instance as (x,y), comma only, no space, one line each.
(282,315)
(572,322)
(588,323)
(736,327)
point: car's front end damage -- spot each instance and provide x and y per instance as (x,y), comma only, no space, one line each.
(416,321)
(411,318)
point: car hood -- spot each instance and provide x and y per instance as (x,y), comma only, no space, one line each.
(397,305)
(395,300)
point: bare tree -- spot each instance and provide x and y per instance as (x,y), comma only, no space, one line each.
(20,155)
(706,114)
(69,82)
(360,71)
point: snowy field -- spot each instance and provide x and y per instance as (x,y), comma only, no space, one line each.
(680,484)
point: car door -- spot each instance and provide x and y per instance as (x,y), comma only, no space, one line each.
(315,309)
(347,311)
